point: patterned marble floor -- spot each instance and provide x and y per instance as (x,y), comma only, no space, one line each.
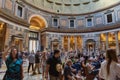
(27,76)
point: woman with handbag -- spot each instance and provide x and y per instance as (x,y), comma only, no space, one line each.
(14,64)
(110,69)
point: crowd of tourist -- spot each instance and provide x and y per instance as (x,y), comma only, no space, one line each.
(61,65)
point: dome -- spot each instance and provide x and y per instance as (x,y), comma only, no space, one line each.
(72,6)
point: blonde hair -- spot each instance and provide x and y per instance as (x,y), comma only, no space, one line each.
(68,60)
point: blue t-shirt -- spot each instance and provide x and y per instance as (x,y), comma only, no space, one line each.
(13,69)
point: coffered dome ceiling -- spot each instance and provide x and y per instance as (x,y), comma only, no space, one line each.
(72,6)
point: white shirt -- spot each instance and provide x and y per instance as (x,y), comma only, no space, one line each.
(114,71)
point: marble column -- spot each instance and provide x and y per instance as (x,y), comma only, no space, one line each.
(39,41)
(99,44)
(117,42)
(83,42)
(46,46)
(68,43)
(107,44)
(62,40)
(75,42)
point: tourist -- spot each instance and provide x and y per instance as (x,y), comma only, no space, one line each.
(110,69)
(84,63)
(37,63)
(31,59)
(68,72)
(43,62)
(52,62)
(14,65)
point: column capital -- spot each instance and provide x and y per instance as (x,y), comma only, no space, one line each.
(82,35)
(68,36)
(116,32)
(107,44)
(62,35)
(106,33)
(76,36)
(97,34)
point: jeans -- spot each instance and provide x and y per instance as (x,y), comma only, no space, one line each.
(31,64)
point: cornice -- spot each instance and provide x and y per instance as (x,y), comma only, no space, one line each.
(65,14)
(82,30)
(8,16)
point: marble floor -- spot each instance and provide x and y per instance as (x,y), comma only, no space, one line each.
(27,76)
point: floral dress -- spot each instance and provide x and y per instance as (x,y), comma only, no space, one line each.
(13,71)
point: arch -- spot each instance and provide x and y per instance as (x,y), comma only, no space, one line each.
(90,41)
(55,40)
(37,22)
(90,45)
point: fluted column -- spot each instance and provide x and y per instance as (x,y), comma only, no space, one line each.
(107,44)
(68,43)
(97,44)
(46,46)
(117,42)
(39,41)
(99,41)
(75,42)
(62,45)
